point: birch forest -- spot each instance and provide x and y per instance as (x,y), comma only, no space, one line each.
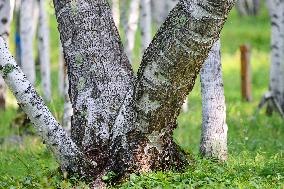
(141,94)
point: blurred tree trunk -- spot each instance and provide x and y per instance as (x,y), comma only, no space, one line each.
(121,124)
(276,86)
(115,12)
(61,65)
(146,23)
(27,32)
(248,7)
(6,14)
(68,110)
(44,51)
(159,12)
(214,127)
(17,31)
(132,25)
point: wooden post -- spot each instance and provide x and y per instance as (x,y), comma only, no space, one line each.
(246,73)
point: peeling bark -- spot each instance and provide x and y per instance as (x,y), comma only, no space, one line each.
(214,128)
(6,13)
(44,51)
(64,149)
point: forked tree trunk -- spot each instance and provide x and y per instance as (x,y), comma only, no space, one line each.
(27,31)
(44,51)
(276,86)
(146,23)
(6,13)
(214,127)
(123,125)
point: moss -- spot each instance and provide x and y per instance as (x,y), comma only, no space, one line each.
(78,59)
(81,84)
(74,7)
(8,68)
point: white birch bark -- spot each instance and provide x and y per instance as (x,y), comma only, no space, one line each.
(145,21)
(68,110)
(6,14)
(27,30)
(64,149)
(115,12)
(132,25)
(276,9)
(159,12)
(44,51)
(214,127)
(61,71)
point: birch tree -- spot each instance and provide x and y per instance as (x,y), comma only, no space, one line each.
(115,12)
(132,24)
(121,124)
(214,127)
(6,13)
(44,51)
(248,7)
(146,23)
(61,71)
(27,31)
(275,96)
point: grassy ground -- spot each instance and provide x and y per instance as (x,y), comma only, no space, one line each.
(256,142)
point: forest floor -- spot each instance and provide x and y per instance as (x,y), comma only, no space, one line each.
(255,141)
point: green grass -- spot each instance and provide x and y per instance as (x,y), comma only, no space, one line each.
(255,141)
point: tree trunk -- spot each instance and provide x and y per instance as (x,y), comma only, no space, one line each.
(276,86)
(132,24)
(248,7)
(115,12)
(99,73)
(61,71)
(214,127)
(159,12)
(146,24)
(44,51)
(27,31)
(64,149)
(6,13)
(68,111)
(122,124)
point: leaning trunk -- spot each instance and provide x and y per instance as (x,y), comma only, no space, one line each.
(214,127)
